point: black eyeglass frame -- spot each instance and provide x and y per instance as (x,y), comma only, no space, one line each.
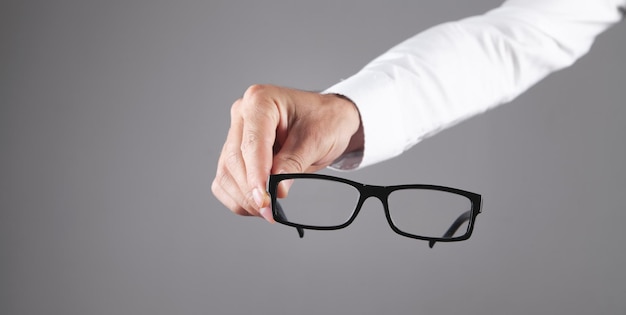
(382,193)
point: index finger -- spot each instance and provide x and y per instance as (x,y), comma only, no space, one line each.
(260,121)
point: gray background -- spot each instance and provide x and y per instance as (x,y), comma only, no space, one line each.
(113,114)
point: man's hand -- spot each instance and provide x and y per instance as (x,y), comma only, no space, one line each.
(279,130)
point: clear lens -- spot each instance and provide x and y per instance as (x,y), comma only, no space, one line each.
(318,202)
(430,213)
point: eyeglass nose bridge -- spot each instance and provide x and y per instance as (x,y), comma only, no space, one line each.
(379,192)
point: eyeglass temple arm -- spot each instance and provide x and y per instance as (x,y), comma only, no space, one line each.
(282,216)
(465,216)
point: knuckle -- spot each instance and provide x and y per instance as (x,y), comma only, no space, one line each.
(293,162)
(219,183)
(249,141)
(235,109)
(215,189)
(258,102)
(232,160)
(257,90)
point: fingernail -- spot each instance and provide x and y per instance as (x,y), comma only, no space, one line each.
(258,197)
(266,213)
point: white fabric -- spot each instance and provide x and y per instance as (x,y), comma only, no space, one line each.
(459,69)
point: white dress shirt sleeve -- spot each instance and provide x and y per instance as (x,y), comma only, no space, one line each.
(456,70)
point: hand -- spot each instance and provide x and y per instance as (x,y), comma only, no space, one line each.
(280,130)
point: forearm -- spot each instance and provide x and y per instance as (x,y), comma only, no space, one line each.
(456,70)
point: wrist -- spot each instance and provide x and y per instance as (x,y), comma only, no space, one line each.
(353,154)
(353,118)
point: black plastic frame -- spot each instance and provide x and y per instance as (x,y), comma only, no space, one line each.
(382,193)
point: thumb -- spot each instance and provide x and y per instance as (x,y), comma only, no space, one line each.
(297,155)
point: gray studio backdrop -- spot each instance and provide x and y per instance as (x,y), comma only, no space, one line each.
(112,117)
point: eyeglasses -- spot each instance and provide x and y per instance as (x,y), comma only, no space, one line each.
(426,212)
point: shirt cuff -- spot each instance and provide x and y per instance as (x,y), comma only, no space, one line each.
(371,91)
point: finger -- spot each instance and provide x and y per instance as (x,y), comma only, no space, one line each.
(260,120)
(228,192)
(236,208)
(227,184)
(224,197)
(230,182)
